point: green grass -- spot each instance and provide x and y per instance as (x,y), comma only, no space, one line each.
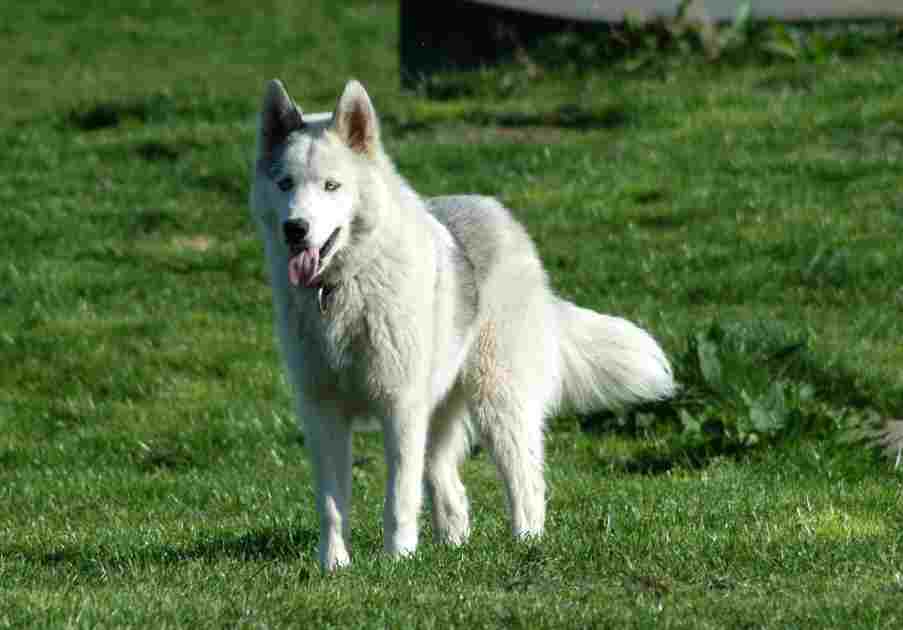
(150,470)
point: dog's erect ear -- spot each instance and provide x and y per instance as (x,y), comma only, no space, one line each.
(278,118)
(355,119)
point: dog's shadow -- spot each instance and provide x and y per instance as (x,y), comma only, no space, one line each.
(268,544)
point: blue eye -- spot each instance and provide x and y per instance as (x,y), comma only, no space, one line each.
(285,184)
(331,185)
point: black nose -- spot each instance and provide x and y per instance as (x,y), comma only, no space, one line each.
(295,231)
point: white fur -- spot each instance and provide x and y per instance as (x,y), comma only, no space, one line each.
(441,326)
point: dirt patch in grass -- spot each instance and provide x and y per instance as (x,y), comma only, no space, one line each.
(198,243)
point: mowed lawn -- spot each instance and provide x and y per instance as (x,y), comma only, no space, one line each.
(151,471)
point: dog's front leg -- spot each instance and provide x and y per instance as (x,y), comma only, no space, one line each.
(404,435)
(329,441)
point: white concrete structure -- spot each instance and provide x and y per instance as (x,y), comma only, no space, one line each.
(614,10)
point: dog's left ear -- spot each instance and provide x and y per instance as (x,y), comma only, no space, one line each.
(279,116)
(355,119)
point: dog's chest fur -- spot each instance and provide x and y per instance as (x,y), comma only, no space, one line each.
(361,344)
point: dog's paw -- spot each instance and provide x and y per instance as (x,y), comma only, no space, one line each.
(401,544)
(334,558)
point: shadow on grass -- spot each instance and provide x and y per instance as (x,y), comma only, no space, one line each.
(161,151)
(744,386)
(108,114)
(226,184)
(670,451)
(265,544)
(155,108)
(269,543)
(570,116)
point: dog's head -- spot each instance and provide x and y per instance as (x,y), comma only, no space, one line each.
(310,172)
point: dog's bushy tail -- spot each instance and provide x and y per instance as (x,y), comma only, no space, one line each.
(607,362)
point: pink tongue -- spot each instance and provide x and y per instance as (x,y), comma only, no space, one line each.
(302,269)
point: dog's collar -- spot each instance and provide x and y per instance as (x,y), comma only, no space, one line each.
(323,292)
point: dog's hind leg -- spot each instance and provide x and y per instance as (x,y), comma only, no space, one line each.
(448,443)
(512,431)
(329,443)
(510,385)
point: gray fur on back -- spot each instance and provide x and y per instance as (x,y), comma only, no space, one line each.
(489,237)
(457,215)
(483,228)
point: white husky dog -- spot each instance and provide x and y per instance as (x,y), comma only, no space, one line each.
(433,316)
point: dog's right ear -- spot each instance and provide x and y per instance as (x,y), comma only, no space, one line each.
(355,119)
(279,116)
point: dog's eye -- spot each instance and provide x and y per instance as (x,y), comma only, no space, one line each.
(285,184)
(331,185)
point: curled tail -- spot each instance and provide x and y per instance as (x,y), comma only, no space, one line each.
(608,362)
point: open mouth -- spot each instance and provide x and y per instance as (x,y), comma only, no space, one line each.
(327,246)
(305,265)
